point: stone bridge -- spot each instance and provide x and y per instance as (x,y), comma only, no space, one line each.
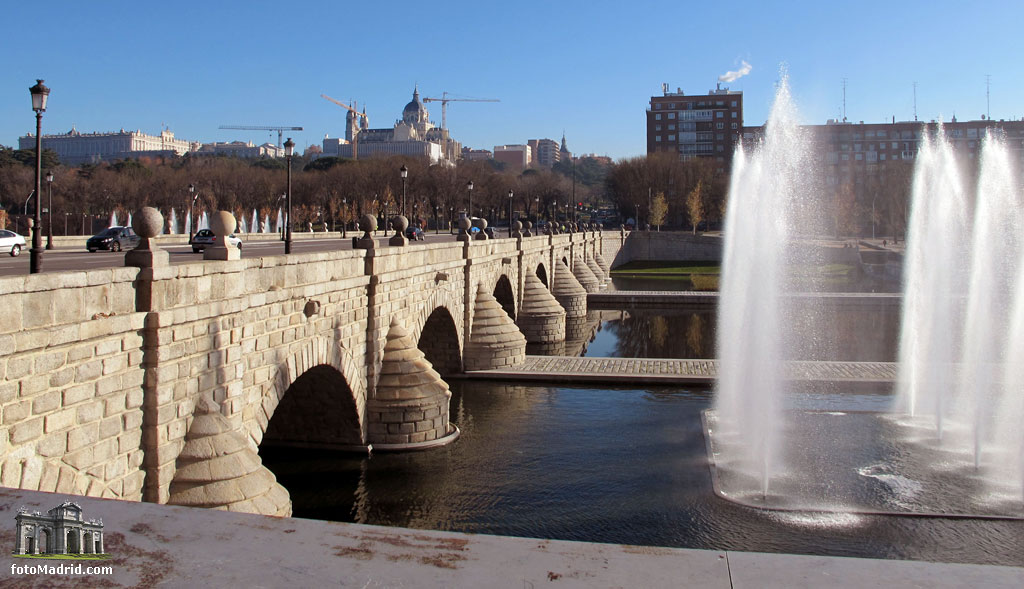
(159,383)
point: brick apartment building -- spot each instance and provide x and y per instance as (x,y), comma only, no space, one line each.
(698,125)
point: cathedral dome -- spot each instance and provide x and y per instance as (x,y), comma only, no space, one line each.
(415,112)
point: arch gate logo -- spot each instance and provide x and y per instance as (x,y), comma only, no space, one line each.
(61,533)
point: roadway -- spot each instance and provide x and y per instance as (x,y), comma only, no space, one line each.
(65,258)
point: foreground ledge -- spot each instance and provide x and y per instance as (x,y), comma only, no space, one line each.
(168,546)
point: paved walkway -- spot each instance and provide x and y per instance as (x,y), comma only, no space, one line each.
(167,546)
(672,371)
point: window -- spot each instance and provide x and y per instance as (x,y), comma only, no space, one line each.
(846,157)
(671,115)
(733,114)
(657,127)
(881,133)
(719,125)
(895,145)
(856,146)
(734,126)
(720,114)
(859,156)
(882,157)
(657,117)
(657,137)
(721,148)
(671,127)
(671,137)
(720,137)
(869,134)
(881,146)
(671,106)
(657,106)
(734,104)
(844,146)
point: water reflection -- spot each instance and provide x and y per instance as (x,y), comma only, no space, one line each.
(850,334)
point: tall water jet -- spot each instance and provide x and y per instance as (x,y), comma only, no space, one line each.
(172,224)
(204,221)
(188,224)
(266,224)
(254,227)
(113,219)
(932,293)
(996,252)
(280,219)
(241,225)
(767,197)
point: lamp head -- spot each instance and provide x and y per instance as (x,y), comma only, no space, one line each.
(39,95)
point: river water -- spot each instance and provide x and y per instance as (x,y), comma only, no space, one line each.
(622,464)
(615,465)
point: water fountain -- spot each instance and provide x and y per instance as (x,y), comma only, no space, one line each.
(280,219)
(952,443)
(266,224)
(254,227)
(172,225)
(241,225)
(204,221)
(113,219)
(767,201)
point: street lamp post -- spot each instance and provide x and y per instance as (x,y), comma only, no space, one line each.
(40,93)
(344,217)
(289,149)
(451,220)
(510,213)
(49,196)
(404,173)
(437,219)
(191,206)
(469,187)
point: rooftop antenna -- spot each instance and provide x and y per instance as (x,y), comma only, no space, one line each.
(988,101)
(915,100)
(844,100)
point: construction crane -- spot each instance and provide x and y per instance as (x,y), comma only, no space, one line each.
(352,109)
(444,100)
(280,130)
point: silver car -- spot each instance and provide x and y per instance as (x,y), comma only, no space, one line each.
(11,242)
(205,237)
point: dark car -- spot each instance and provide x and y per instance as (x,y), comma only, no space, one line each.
(114,238)
(414,234)
(205,237)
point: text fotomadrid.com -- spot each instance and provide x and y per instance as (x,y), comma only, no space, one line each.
(60,569)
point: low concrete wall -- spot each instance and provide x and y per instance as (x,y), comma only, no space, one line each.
(668,246)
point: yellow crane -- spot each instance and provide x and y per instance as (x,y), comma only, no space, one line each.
(352,109)
(444,100)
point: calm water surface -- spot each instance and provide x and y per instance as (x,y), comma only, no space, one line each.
(609,465)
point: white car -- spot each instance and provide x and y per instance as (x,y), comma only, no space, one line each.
(11,242)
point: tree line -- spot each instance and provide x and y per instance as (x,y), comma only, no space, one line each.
(657,189)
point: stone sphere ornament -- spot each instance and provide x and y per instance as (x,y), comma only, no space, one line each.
(464,224)
(147,222)
(399,223)
(222,223)
(367,223)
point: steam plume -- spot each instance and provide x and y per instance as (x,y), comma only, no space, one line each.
(733,76)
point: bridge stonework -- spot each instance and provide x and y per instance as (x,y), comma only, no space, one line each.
(101,371)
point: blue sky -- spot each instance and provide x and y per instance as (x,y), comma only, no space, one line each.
(588,68)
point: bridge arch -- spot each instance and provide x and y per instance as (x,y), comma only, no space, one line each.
(317,409)
(439,342)
(542,274)
(505,294)
(329,366)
